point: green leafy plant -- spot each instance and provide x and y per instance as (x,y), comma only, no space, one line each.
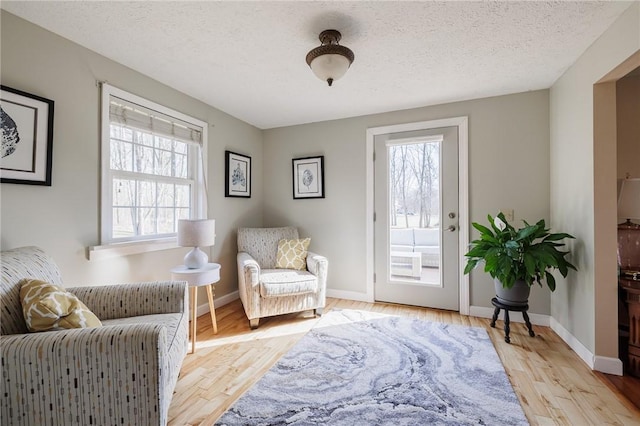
(528,254)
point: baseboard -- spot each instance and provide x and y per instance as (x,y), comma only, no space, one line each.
(218,302)
(484,312)
(608,365)
(349,295)
(598,363)
(582,351)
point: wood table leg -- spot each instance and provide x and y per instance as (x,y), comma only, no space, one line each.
(194,314)
(212,310)
(528,323)
(496,312)
(507,329)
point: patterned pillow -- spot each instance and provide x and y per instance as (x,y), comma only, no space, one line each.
(292,254)
(49,307)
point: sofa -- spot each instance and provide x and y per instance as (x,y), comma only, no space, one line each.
(267,291)
(122,372)
(418,240)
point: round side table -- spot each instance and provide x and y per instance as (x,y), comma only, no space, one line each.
(205,276)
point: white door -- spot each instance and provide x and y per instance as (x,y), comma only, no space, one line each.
(416,218)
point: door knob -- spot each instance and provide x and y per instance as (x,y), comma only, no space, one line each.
(451,228)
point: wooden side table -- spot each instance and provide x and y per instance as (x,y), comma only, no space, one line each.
(205,276)
(498,305)
(632,290)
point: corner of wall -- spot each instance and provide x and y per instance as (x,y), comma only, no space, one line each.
(606,365)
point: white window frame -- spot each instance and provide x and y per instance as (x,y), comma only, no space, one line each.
(111,247)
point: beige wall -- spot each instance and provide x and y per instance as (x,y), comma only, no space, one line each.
(628,113)
(509,168)
(583,191)
(64,218)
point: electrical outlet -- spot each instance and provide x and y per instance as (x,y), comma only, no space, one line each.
(508,214)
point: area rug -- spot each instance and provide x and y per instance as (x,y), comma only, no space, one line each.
(385,371)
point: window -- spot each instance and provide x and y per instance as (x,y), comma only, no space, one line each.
(152,168)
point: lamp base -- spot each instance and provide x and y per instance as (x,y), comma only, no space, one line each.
(628,225)
(196,259)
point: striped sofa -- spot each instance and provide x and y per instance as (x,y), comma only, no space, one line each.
(121,373)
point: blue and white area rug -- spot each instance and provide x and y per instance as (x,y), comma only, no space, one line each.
(385,371)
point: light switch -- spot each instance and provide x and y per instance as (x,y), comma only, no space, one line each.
(508,214)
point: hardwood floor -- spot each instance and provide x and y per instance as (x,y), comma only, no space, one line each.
(629,386)
(554,385)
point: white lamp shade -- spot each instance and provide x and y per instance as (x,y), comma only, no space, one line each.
(196,233)
(629,200)
(330,66)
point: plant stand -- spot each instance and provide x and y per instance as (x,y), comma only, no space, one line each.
(523,308)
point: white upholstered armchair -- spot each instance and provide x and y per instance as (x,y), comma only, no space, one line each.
(266,290)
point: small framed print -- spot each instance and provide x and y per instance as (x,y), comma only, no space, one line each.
(308,177)
(27,137)
(237,175)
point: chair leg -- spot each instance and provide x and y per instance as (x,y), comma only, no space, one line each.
(318,311)
(253,323)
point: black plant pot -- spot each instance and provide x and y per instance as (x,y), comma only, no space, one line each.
(518,295)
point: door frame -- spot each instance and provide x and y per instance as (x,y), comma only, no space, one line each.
(462,123)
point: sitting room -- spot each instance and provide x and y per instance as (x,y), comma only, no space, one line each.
(244,213)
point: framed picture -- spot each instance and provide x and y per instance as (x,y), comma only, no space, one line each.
(308,177)
(237,178)
(27,137)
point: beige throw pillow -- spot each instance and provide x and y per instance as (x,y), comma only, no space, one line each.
(49,307)
(292,254)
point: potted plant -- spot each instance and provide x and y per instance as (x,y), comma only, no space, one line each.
(518,258)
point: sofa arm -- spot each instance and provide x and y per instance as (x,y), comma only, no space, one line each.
(130,300)
(317,265)
(248,281)
(99,375)
(249,267)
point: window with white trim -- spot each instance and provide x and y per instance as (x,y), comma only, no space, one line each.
(153,170)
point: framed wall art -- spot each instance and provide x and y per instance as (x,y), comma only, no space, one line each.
(308,177)
(27,137)
(237,175)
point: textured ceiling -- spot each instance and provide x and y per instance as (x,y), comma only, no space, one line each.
(248,58)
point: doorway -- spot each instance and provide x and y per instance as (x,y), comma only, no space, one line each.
(416,225)
(417,279)
(615,157)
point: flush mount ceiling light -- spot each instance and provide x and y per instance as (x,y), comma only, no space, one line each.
(330,61)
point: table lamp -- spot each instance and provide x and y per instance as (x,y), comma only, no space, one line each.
(629,232)
(196,233)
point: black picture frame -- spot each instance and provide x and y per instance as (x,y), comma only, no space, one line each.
(27,137)
(237,177)
(308,177)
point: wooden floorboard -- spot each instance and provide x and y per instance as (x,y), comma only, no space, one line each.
(554,385)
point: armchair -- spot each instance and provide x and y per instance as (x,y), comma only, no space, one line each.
(123,372)
(267,291)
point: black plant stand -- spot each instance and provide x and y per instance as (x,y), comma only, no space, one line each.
(507,308)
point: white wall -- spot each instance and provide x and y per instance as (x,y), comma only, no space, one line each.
(509,168)
(64,218)
(573,183)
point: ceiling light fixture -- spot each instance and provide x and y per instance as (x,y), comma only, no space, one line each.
(330,61)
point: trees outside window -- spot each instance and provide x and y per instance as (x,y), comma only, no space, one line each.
(152,168)
(414,197)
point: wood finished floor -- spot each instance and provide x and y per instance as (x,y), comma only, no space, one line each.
(554,385)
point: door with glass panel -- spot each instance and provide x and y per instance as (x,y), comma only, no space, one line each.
(416,218)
